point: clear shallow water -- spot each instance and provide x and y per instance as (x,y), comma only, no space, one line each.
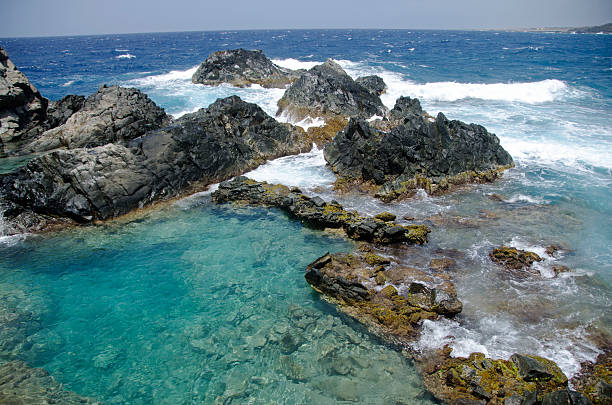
(548,97)
(193,304)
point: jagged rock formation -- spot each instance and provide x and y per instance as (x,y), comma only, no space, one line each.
(241,68)
(417,152)
(318,213)
(22,108)
(21,384)
(328,91)
(213,144)
(58,112)
(375,84)
(110,115)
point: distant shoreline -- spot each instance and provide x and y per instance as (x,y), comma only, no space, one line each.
(604,29)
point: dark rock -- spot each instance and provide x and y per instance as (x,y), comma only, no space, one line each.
(578,398)
(213,144)
(328,91)
(530,369)
(375,84)
(415,153)
(21,384)
(22,108)
(315,212)
(595,378)
(513,258)
(59,111)
(110,115)
(242,68)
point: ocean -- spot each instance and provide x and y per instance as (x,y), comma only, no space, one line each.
(197,303)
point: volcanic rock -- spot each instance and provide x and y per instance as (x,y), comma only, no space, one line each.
(328,91)
(318,213)
(58,112)
(241,68)
(22,108)
(417,152)
(213,144)
(110,115)
(375,84)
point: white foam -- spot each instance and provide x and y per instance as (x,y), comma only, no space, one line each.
(524,198)
(125,56)
(68,83)
(295,64)
(165,78)
(306,170)
(122,50)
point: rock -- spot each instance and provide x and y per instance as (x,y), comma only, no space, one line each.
(565,397)
(110,115)
(552,250)
(317,213)
(328,91)
(513,258)
(22,108)
(443,264)
(530,369)
(415,153)
(59,111)
(595,378)
(241,68)
(460,380)
(348,279)
(375,84)
(213,144)
(21,384)
(385,216)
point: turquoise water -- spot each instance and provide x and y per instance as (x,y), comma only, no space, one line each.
(192,304)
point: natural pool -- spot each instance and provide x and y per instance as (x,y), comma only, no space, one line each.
(195,303)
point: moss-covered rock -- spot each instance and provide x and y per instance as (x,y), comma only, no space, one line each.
(318,213)
(386,216)
(513,258)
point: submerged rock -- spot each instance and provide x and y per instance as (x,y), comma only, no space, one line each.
(316,212)
(241,68)
(21,384)
(328,91)
(110,115)
(213,144)
(22,108)
(417,152)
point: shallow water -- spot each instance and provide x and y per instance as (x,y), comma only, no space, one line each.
(192,304)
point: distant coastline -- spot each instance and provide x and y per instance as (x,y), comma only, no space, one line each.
(596,29)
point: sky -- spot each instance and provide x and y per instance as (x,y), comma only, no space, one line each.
(79,17)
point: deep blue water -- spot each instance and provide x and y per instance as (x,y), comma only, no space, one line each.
(548,97)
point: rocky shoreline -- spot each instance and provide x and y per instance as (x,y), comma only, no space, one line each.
(116,151)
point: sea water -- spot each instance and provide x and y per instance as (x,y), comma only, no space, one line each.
(548,97)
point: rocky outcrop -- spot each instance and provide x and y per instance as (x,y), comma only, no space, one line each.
(375,84)
(318,213)
(213,144)
(110,115)
(22,108)
(393,299)
(595,378)
(513,258)
(241,68)
(58,112)
(24,385)
(328,91)
(417,152)
(523,379)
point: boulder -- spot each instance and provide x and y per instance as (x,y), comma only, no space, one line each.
(213,144)
(328,91)
(417,152)
(110,115)
(318,213)
(375,84)
(241,68)
(22,384)
(22,108)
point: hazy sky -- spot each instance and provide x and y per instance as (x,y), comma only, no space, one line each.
(71,17)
